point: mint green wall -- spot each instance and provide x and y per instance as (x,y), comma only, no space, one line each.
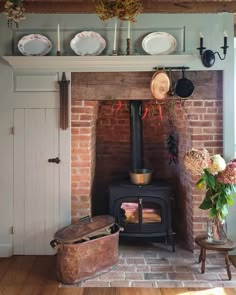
(212,27)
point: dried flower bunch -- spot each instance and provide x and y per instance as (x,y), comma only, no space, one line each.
(14,11)
(196,160)
(217,177)
(122,9)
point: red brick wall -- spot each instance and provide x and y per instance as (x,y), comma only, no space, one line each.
(199,123)
(83,138)
(202,127)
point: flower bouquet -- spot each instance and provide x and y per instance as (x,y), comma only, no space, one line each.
(219,181)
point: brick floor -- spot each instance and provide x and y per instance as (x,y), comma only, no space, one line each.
(155,265)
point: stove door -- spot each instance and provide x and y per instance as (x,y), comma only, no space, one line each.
(154,217)
(142,215)
(129,214)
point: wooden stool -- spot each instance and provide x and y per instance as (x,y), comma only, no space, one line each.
(202,242)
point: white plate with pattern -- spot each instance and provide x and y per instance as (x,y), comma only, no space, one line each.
(34,44)
(88,43)
(159,43)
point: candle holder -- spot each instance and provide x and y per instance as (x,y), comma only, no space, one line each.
(114,52)
(58,53)
(208,56)
(128,46)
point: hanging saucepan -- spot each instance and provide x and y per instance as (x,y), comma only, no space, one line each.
(184,87)
(160,85)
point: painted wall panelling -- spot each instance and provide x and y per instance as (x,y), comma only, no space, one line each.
(35,82)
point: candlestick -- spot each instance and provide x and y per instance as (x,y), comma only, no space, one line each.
(128,30)
(201,40)
(128,46)
(58,40)
(114,41)
(225,39)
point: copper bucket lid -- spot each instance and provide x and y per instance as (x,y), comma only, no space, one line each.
(83,228)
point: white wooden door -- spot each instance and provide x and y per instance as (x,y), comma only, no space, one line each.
(36,181)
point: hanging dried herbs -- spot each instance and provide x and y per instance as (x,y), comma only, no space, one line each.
(172,147)
(172,141)
(14,11)
(122,9)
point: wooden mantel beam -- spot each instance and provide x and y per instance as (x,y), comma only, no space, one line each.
(150,6)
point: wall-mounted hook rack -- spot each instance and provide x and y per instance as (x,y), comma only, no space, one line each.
(171,68)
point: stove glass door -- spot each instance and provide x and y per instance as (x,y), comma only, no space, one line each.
(151,212)
(130,212)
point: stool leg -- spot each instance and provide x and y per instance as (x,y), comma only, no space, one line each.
(203,256)
(227,265)
(200,256)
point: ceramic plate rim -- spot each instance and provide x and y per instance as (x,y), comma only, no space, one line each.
(29,38)
(100,39)
(155,34)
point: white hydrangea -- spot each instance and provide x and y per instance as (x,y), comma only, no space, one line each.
(217,164)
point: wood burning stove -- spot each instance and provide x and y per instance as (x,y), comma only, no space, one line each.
(143,211)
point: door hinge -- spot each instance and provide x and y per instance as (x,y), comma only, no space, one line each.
(11,230)
(12,130)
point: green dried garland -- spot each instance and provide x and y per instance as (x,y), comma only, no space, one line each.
(14,11)
(122,9)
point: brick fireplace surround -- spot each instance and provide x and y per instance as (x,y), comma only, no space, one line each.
(101,140)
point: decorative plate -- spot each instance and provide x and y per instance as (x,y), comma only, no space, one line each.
(34,44)
(88,43)
(159,43)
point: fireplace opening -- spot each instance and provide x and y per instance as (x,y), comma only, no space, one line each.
(101,140)
(142,210)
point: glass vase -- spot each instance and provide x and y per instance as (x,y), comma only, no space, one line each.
(217,231)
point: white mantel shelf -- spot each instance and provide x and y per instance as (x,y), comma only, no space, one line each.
(99,63)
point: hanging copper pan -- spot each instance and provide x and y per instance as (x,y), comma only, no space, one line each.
(160,85)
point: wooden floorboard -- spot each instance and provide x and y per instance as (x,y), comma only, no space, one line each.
(36,275)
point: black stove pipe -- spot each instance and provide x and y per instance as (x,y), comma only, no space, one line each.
(136,135)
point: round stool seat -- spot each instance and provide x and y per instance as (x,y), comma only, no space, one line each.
(202,241)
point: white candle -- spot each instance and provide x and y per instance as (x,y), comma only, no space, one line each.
(58,38)
(225,39)
(114,42)
(201,40)
(128,29)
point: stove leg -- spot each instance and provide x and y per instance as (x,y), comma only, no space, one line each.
(166,239)
(172,241)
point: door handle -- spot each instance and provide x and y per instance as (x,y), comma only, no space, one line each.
(54,160)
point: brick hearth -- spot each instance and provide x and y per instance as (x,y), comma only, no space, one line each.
(151,265)
(100,140)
